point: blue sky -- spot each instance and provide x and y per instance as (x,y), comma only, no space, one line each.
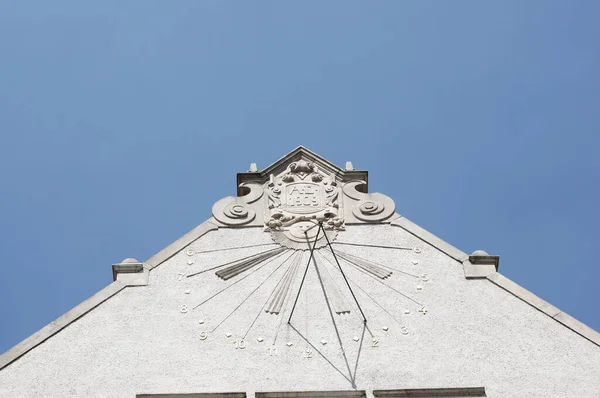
(122,123)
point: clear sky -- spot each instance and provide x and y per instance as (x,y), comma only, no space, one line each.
(123,122)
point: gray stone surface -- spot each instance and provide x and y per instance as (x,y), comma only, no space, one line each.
(180,243)
(523,294)
(59,324)
(473,334)
(430,238)
(578,327)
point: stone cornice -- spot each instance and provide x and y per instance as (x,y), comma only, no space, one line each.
(561,317)
(430,238)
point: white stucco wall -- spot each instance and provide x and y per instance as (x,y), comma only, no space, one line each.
(474,333)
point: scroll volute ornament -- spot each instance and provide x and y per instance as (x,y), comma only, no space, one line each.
(237,211)
(366,207)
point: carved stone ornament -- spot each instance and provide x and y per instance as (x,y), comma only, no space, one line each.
(291,197)
(300,199)
(368,207)
(237,210)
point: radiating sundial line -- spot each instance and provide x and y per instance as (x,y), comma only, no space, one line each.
(376,302)
(362,339)
(271,295)
(239,280)
(366,245)
(337,269)
(312,251)
(331,278)
(314,225)
(373,268)
(286,300)
(276,250)
(357,312)
(280,292)
(344,275)
(377,270)
(320,353)
(373,262)
(236,260)
(337,332)
(252,292)
(386,285)
(235,248)
(243,266)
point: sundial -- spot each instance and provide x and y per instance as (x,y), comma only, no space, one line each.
(306,212)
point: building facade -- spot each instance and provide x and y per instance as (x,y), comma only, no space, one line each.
(307,285)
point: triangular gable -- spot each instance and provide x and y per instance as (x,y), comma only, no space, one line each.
(131,273)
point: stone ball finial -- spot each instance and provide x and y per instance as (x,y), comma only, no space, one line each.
(479,253)
(129,260)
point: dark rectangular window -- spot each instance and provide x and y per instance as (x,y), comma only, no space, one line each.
(203,395)
(312,394)
(432,393)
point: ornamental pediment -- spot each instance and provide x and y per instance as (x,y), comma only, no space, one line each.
(299,191)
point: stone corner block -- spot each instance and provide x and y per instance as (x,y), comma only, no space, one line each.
(484,259)
(131,274)
(477,271)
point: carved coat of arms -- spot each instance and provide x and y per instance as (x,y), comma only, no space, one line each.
(303,194)
(298,199)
